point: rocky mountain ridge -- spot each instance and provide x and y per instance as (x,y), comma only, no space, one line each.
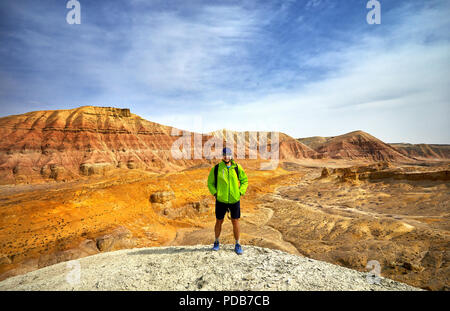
(359,144)
(63,145)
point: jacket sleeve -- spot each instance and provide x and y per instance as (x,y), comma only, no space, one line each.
(211,187)
(243,180)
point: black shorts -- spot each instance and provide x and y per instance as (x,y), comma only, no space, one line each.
(221,209)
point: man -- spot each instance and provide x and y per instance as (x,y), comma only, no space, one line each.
(228,193)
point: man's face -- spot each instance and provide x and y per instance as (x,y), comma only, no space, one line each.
(226,158)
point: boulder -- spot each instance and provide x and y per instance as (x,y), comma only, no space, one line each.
(325,172)
(119,238)
(188,210)
(53,171)
(4,260)
(131,164)
(105,242)
(199,206)
(89,169)
(162,197)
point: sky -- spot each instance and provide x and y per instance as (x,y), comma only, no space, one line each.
(304,68)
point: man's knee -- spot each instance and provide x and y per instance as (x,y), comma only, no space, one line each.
(219,222)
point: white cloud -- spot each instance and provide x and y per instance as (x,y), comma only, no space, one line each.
(173,53)
(313,3)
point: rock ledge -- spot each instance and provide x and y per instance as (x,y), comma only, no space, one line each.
(198,268)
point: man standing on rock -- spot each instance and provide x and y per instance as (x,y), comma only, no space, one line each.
(227,181)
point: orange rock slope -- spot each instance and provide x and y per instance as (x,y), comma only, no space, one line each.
(360,145)
(64,144)
(355,145)
(424,151)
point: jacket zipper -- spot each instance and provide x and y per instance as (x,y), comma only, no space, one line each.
(229,186)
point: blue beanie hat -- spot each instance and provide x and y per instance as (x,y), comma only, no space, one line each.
(226,151)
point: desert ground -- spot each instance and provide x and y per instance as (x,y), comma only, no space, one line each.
(344,212)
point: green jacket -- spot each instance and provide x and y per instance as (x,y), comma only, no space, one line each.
(228,188)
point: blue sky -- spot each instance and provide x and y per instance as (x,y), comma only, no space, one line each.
(305,68)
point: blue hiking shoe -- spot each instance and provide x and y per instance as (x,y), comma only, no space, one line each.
(238,249)
(216,246)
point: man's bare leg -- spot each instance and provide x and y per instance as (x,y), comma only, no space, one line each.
(236,229)
(218,228)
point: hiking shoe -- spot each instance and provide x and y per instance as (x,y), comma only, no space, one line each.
(238,249)
(216,246)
